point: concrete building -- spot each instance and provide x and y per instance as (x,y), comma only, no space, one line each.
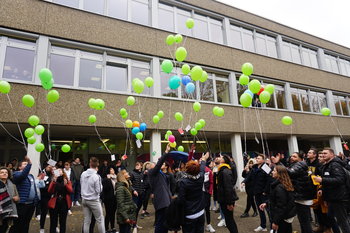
(95,48)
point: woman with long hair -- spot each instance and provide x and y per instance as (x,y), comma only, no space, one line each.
(281,201)
(59,204)
(109,199)
(248,184)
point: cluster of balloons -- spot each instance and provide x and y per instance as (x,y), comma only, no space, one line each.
(46,79)
(136,128)
(199,125)
(138,85)
(171,39)
(171,138)
(97,104)
(218,111)
(29,133)
(156,118)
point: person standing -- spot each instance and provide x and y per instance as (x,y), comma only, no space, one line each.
(137,184)
(45,196)
(71,177)
(109,199)
(248,184)
(208,192)
(147,187)
(77,171)
(104,169)
(91,188)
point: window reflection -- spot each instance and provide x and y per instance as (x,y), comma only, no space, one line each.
(62,68)
(69,3)
(166,17)
(116,78)
(140,12)
(201,28)
(90,74)
(19,64)
(142,74)
(94,6)
(206,90)
(164,84)
(118,9)
(222,91)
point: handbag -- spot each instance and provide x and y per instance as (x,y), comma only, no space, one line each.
(52,202)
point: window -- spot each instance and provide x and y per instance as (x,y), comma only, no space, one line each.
(344,67)
(118,9)
(248,40)
(141,70)
(69,3)
(291,52)
(300,100)
(317,101)
(206,90)
(140,11)
(296,99)
(236,37)
(116,77)
(90,72)
(201,27)
(341,105)
(242,38)
(216,31)
(266,45)
(222,91)
(94,6)
(62,63)
(277,99)
(166,17)
(331,64)
(164,84)
(182,16)
(309,57)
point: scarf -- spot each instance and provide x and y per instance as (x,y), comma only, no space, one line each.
(5,200)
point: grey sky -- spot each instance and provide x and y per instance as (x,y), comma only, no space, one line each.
(326,19)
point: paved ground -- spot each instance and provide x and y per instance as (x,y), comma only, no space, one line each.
(245,225)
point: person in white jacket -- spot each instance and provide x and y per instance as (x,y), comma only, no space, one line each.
(91,187)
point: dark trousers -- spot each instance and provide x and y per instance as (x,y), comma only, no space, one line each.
(259,199)
(25,214)
(111,208)
(229,220)
(124,228)
(250,203)
(59,214)
(207,206)
(76,189)
(160,221)
(338,210)
(43,211)
(146,199)
(326,220)
(138,201)
(4,226)
(194,225)
(284,227)
(304,217)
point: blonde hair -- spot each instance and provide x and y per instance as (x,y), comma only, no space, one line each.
(121,177)
(252,160)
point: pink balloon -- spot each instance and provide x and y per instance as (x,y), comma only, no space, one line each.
(171,138)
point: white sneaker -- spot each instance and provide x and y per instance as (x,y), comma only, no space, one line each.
(214,208)
(47,216)
(209,228)
(77,203)
(57,230)
(219,217)
(37,217)
(259,228)
(72,203)
(222,223)
(271,231)
(70,212)
(42,231)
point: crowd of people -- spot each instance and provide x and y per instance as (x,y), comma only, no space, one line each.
(312,187)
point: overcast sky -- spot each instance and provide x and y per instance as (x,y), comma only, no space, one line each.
(326,19)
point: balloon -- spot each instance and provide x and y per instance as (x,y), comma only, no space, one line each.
(122,111)
(160,114)
(326,111)
(65,148)
(31,140)
(178,38)
(92,103)
(139,86)
(171,138)
(39,147)
(28,101)
(130,101)
(186,79)
(198,126)
(143,127)
(92,119)
(45,75)
(185,69)
(29,132)
(134,81)
(180,54)
(254,86)
(243,79)
(135,130)
(170,40)
(139,136)
(196,73)
(270,88)
(247,68)
(287,120)
(166,136)
(197,106)
(39,129)
(169,132)
(178,116)
(33,120)
(100,104)
(264,97)
(181,149)
(167,66)
(173,144)
(125,116)
(5,87)
(136,124)
(246,100)
(204,77)
(112,146)
(149,82)
(190,87)
(202,122)
(128,123)
(52,96)
(156,119)
(215,110)
(249,92)
(174,82)
(189,23)
(47,85)
(220,112)
(194,131)
(261,90)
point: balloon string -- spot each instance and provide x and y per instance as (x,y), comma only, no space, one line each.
(99,136)
(219,142)
(337,128)
(48,129)
(258,121)
(169,114)
(263,135)
(11,134)
(245,133)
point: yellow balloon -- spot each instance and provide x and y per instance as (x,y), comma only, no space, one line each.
(173,144)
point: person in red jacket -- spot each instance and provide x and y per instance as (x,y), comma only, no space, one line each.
(60,203)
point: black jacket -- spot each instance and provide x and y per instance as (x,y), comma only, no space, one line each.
(136,178)
(108,191)
(333,181)
(302,182)
(226,186)
(249,185)
(103,171)
(313,166)
(259,179)
(281,203)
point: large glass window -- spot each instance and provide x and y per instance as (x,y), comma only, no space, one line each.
(266,45)
(141,70)
(118,9)
(62,68)
(69,3)
(166,17)
(248,40)
(140,11)
(280,98)
(344,67)
(309,57)
(341,105)
(291,52)
(296,99)
(116,77)
(206,90)
(201,27)
(222,91)
(216,31)
(182,16)
(236,35)
(164,84)
(94,6)
(242,38)
(331,64)
(90,73)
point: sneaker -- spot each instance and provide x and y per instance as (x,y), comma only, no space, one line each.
(134,230)
(244,215)
(255,214)
(37,217)
(209,228)
(57,230)
(47,216)
(138,227)
(222,223)
(214,208)
(70,212)
(42,231)
(77,203)
(219,217)
(259,228)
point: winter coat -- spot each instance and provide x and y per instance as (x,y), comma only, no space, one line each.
(103,171)
(136,178)
(259,179)
(126,208)
(66,192)
(108,191)
(313,166)
(208,181)
(248,181)
(302,182)
(12,191)
(226,186)
(78,170)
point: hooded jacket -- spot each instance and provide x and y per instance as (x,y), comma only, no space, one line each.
(91,185)
(226,185)
(126,208)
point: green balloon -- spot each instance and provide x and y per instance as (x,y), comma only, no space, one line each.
(139,87)
(178,116)
(45,75)
(39,129)
(167,66)
(287,120)
(180,54)
(92,119)
(156,119)
(245,100)
(270,88)
(186,69)
(243,79)
(196,73)
(53,96)
(29,132)
(65,148)
(247,68)
(100,104)
(220,112)
(33,120)
(122,111)
(326,111)
(180,148)
(189,23)
(149,82)
(169,132)
(128,123)
(215,110)
(197,106)
(5,87)
(47,85)
(198,126)
(112,146)
(202,122)
(170,40)
(194,131)
(39,147)
(264,97)
(160,114)
(28,101)
(254,86)
(178,38)
(166,137)
(125,116)
(92,103)
(204,77)
(139,136)
(31,140)
(130,101)
(134,81)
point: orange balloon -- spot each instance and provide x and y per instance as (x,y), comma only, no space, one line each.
(136,124)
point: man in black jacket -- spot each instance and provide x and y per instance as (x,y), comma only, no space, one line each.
(334,190)
(312,161)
